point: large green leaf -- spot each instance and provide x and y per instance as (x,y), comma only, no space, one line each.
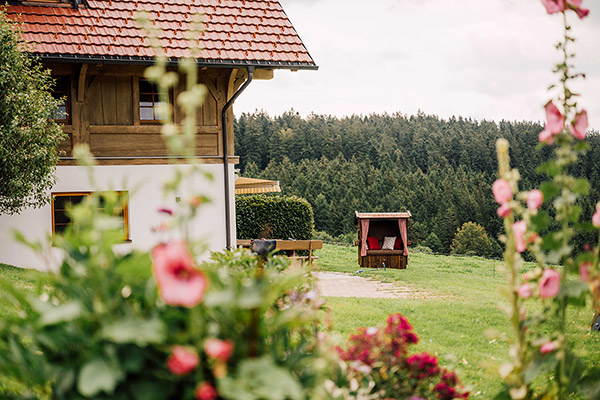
(97,376)
(52,315)
(135,330)
(260,379)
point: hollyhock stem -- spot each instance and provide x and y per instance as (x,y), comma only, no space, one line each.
(510,257)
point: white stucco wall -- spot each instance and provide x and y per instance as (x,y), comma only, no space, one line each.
(144,184)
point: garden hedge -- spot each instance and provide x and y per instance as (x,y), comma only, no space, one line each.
(273,217)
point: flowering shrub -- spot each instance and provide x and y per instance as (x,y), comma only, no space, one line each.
(117,326)
(379,358)
(544,364)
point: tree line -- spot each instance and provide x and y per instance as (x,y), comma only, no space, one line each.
(441,170)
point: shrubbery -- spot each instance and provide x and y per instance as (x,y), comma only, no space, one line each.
(273,217)
(472,239)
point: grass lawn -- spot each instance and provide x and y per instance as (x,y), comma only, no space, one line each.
(451,322)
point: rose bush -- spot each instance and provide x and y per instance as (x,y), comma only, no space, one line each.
(379,359)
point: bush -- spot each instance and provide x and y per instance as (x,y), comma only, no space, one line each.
(434,243)
(471,239)
(422,249)
(274,217)
(379,358)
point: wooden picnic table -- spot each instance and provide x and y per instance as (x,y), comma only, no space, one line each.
(290,247)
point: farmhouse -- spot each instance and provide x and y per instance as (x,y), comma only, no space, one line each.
(98,54)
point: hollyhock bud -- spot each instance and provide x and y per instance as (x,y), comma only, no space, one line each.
(579,126)
(534,199)
(554,6)
(219,350)
(596,218)
(502,191)
(205,391)
(584,271)
(182,360)
(525,291)
(179,283)
(549,284)
(503,211)
(548,347)
(165,210)
(575,5)
(519,229)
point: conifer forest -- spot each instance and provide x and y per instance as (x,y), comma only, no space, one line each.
(441,170)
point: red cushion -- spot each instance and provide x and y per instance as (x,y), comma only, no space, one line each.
(398,245)
(373,243)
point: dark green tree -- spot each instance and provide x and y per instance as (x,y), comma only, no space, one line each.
(472,238)
(28,136)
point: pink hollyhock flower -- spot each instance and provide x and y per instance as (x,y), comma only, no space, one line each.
(534,199)
(179,283)
(219,350)
(182,360)
(524,291)
(584,271)
(519,229)
(596,218)
(502,191)
(503,211)
(579,126)
(548,347)
(546,136)
(549,283)
(205,391)
(575,5)
(554,6)
(555,121)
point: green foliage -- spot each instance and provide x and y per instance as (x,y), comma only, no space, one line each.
(434,243)
(98,328)
(28,137)
(273,217)
(472,238)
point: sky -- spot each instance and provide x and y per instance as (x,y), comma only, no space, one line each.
(484,59)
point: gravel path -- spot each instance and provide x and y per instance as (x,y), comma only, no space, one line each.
(332,284)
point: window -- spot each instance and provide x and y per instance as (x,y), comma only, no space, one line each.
(61,92)
(149,100)
(63,203)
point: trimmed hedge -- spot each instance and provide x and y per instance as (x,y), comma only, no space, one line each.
(273,217)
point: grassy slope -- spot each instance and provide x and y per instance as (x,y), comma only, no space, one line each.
(451,322)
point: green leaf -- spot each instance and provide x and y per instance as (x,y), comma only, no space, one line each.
(539,366)
(52,315)
(260,379)
(573,289)
(581,186)
(574,213)
(136,330)
(550,168)
(540,221)
(97,376)
(582,146)
(549,189)
(136,264)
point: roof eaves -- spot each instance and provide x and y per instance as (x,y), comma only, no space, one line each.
(106,59)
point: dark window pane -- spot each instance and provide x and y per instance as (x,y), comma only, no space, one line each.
(60,217)
(61,202)
(77,199)
(145,86)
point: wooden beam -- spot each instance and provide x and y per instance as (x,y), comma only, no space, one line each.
(144,129)
(211,88)
(81,84)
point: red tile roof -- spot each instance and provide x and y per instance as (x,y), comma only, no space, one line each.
(237,32)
